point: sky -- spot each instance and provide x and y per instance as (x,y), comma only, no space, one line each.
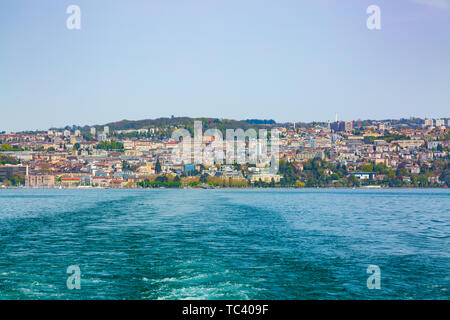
(236,59)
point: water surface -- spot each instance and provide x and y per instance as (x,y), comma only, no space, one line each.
(225,244)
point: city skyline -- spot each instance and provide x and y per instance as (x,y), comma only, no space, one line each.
(290,62)
(233,155)
(438,121)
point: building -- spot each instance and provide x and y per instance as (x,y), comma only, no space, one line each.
(439,122)
(40,180)
(9,171)
(348,126)
(409,144)
(364,175)
(428,123)
(93,131)
(415,169)
(433,144)
(147,169)
(102,137)
(310,154)
(70,181)
(298,167)
(106,130)
(341,126)
(189,168)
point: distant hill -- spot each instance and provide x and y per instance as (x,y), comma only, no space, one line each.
(258,121)
(186,122)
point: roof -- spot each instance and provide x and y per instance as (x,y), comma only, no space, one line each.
(70,179)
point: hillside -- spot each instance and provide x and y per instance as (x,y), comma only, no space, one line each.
(187,122)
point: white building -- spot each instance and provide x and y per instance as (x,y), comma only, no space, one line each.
(428,123)
(265,176)
(439,122)
(102,137)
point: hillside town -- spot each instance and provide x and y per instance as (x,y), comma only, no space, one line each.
(374,154)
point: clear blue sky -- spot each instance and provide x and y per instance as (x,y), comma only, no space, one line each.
(284,60)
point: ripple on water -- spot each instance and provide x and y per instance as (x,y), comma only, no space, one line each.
(224,244)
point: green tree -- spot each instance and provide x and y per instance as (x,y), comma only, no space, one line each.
(157,166)
(353,181)
(4,159)
(367,168)
(110,145)
(162,178)
(6,147)
(204,178)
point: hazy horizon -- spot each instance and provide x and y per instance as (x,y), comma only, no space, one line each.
(168,117)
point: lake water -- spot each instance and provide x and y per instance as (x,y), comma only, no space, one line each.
(225,244)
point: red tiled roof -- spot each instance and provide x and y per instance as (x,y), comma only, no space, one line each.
(70,179)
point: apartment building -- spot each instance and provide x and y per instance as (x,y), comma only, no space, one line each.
(8,171)
(40,180)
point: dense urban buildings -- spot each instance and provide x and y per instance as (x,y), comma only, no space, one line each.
(138,154)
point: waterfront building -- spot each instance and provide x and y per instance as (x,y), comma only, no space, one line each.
(40,180)
(265,177)
(70,181)
(9,171)
(364,175)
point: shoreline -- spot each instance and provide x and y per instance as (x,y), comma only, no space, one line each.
(223,188)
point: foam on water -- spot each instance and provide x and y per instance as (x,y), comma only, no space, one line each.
(224,244)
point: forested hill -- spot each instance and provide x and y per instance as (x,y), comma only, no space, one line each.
(187,122)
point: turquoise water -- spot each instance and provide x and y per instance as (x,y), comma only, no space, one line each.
(225,244)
